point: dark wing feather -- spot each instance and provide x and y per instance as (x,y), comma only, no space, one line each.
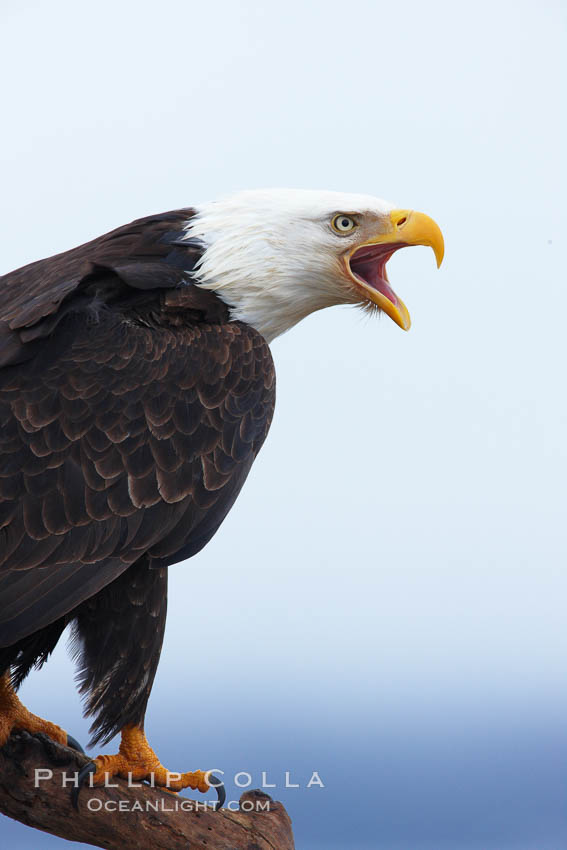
(128,432)
(147,254)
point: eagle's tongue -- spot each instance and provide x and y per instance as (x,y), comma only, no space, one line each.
(373,272)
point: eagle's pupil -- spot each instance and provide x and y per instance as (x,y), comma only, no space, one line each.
(345,222)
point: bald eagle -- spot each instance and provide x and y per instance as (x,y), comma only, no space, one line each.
(136,389)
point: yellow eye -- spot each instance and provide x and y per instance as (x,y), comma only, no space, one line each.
(343,223)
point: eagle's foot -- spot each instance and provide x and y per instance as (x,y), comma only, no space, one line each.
(136,761)
(14,716)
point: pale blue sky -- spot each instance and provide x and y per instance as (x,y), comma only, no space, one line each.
(389,591)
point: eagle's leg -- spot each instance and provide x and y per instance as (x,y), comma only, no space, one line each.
(136,760)
(121,631)
(14,715)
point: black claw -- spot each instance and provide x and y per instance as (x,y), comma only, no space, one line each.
(218,784)
(89,767)
(72,742)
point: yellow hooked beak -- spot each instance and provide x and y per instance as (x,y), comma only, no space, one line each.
(367,262)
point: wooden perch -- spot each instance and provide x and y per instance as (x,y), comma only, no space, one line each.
(148,817)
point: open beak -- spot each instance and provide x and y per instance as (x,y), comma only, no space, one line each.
(367,262)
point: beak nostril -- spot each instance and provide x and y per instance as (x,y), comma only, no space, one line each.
(401,221)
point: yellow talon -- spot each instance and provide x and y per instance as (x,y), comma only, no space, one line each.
(14,715)
(136,760)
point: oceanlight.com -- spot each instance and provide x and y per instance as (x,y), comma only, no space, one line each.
(94,804)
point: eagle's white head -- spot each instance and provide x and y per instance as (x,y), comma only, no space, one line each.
(276,255)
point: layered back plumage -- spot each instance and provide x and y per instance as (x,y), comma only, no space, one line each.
(131,410)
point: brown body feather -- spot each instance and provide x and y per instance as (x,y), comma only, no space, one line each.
(131,410)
